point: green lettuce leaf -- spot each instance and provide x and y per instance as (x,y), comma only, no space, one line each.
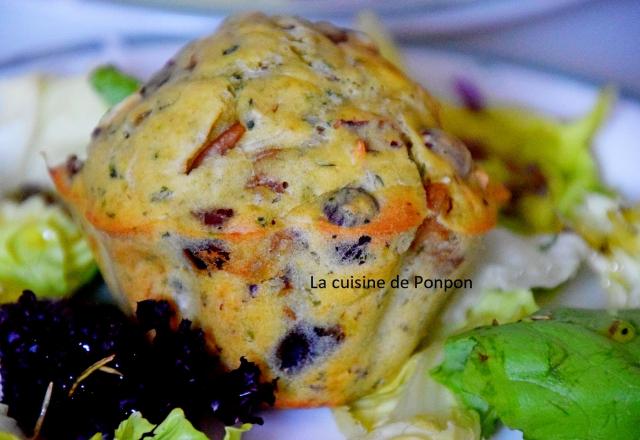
(174,427)
(547,164)
(41,249)
(133,428)
(235,433)
(564,375)
(112,84)
(500,306)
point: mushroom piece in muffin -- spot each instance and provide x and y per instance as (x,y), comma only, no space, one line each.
(274,151)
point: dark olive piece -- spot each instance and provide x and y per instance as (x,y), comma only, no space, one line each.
(350,253)
(304,343)
(350,207)
(294,352)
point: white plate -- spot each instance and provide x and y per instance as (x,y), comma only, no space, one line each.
(617,148)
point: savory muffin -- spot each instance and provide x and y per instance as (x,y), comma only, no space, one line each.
(274,151)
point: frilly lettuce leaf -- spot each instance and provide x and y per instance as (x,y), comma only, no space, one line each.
(235,432)
(546,164)
(411,406)
(612,230)
(579,376)
(503,281)
(41,249)
(112,84)
(174,427)
(425,428)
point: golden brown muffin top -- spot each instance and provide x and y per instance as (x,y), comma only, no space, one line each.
(259,125)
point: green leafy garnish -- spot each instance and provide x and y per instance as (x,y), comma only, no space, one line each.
(112,84)
(235,433)
(41,249)
(174,427)
(497,306)
(545,163)
(564,375)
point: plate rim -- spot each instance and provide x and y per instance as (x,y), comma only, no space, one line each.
(140,40)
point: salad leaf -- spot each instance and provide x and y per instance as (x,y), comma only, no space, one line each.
(174,427)
(411,405)
(134,427)
(414,403)
(612,231)
(41,249)
(546,164)
(563,374)
(501,307)
(369,23)
(235,433)
(112,84)
(512,266)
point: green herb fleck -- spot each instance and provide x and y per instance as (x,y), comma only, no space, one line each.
(113,172)
(230,49)
(164,194)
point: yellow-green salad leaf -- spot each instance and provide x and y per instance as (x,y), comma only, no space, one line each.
(41,249)
(546,163)
(174,427)
(235,432)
